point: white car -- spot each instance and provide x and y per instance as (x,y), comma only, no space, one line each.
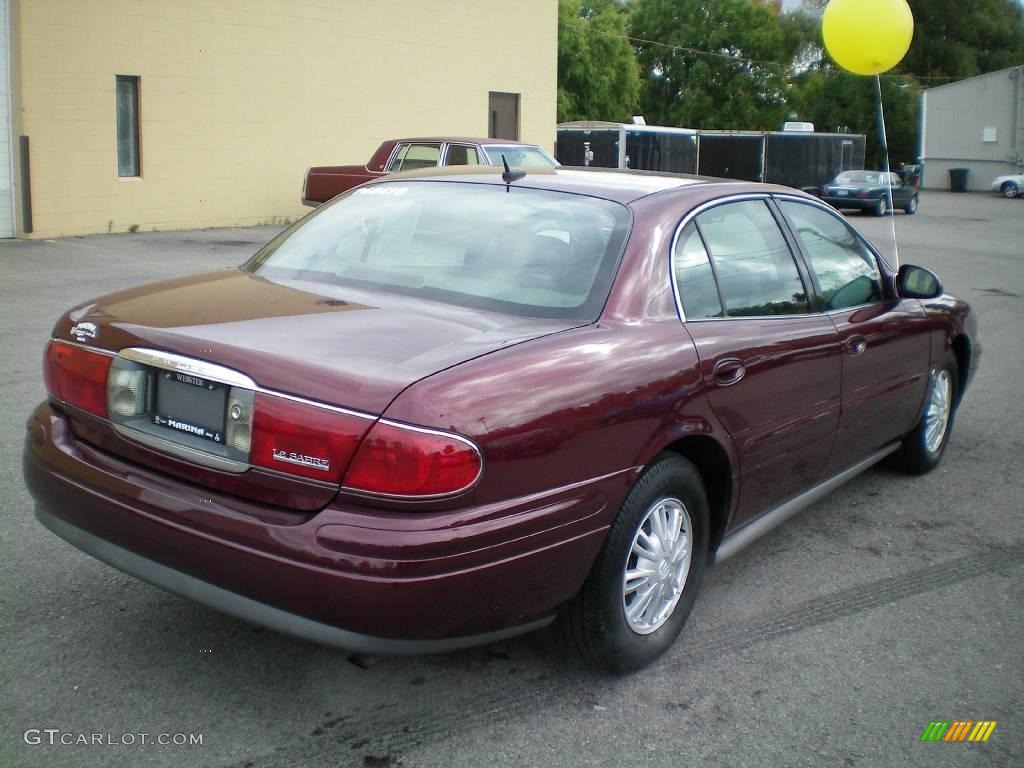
(1009,186)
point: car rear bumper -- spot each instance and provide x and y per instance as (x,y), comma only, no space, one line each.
(861,203)
(384,582)
(251,610)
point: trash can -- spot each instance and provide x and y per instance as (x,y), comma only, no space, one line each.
(958,179)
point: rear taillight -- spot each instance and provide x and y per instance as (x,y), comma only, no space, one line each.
(77,376)
(398,460)
(257,428)
(863,195)
(304,439)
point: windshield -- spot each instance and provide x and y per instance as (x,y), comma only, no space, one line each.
(859,177)
(519,251)
(519,156)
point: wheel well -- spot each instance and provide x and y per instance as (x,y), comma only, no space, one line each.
(713,464)
(962,350)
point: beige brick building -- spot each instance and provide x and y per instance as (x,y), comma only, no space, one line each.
(148,114)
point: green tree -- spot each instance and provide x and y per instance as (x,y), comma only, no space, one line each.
(731,89)
(801,39)
(958,39)
(598,76)
(839,101)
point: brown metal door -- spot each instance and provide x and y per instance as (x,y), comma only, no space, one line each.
(503,116)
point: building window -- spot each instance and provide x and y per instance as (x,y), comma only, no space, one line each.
(128,126)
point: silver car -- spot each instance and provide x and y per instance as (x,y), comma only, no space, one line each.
(1011,185)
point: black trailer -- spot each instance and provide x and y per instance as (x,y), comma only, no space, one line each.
(622,145)
(793,158)
(732,155)
(811,159)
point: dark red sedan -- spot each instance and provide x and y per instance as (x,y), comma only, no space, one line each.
(444,410)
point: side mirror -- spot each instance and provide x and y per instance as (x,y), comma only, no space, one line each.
(917,283)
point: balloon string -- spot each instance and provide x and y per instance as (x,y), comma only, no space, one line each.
(888,178)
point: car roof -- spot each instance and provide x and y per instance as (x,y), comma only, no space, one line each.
(622,186)
(462,140)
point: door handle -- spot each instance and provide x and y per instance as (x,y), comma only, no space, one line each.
(855,345)
(729,371)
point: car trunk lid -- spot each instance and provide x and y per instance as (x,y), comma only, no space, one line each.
(350,352)
(302,349)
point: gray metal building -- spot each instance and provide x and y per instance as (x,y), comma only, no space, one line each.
(976,124)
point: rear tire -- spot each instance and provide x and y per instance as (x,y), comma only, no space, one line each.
(922,448)
(881,207)
(911,206)
(1009,190)
(631,607)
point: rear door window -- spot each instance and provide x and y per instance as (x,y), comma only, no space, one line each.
(756,272)
(396,159)
(462,154)
(412,156)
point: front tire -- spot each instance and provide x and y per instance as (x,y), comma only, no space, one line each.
(1009,190)
(646,578)
(922,448)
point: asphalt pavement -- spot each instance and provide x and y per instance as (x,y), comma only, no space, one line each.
(834,641)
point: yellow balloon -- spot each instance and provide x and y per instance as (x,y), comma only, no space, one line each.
(867,36)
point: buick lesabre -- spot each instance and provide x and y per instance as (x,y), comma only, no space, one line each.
(444,410)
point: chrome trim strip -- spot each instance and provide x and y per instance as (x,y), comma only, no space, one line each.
(250,610)
(387,163)
(315,403)
(767,522)
(431,497)
(172,362)
(86,347)
(181,451)
(759,196)
(218,373)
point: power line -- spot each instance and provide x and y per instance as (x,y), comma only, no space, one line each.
(739,59)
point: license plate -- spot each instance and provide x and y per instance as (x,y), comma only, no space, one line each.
(842,192)
(190,405)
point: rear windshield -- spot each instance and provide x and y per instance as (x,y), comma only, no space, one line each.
(859,177)
(519,251)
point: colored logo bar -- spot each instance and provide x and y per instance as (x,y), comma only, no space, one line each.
(958,730)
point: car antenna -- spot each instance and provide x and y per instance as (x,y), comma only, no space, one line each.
(508,176)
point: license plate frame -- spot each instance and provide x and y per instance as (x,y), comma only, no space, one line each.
(187,404)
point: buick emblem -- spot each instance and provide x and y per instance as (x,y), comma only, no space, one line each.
(83,331)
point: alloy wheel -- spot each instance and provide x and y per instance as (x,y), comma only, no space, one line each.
(940,404)
(657,566)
